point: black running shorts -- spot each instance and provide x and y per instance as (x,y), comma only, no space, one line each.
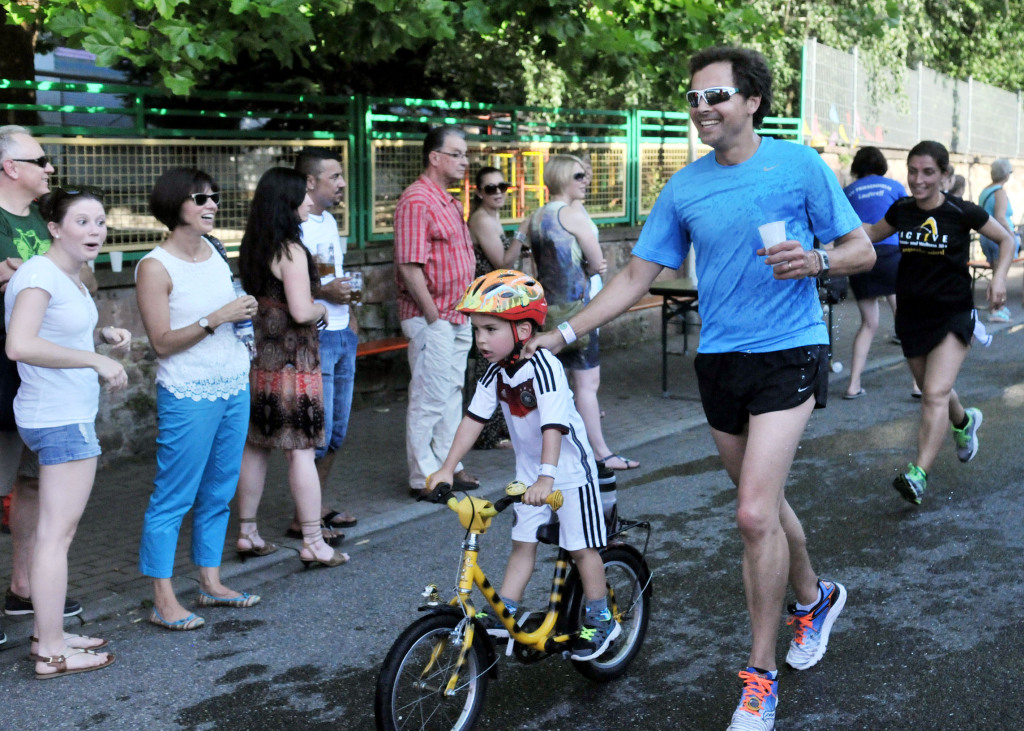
(735,385)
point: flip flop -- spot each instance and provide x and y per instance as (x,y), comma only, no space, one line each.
(334,519)
(238,602)
(630,464)
(915,394)
(852,396)
(190,622)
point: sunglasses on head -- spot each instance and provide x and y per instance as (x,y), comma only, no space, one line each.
(42,161)
(714,95)
(494,188)
(201,198)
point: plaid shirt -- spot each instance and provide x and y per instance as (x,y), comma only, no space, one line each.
(430,230)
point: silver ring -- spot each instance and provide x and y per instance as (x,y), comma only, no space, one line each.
(788,266)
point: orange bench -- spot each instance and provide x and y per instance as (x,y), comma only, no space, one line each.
(981,269)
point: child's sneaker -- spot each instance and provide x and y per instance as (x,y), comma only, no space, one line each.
(912,484)
(492,624)
(967,438)
(813,627)
(594,638)
(756,711)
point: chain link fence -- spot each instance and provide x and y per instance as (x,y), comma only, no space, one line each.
(843,104)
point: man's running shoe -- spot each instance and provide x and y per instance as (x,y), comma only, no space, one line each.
(594,638)
(967,438)
(912,484)
(813,627)
(756,711)
(15,604)
(491,623)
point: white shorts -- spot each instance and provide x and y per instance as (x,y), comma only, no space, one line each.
(580,519)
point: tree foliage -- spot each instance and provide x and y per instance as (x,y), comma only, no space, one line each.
(583,53)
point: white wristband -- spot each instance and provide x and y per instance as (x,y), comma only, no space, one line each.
(568,334)
(547,470)
(519,236)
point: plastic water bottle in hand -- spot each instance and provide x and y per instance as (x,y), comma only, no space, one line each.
(243,329)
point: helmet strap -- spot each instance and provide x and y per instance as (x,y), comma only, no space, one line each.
(512,359)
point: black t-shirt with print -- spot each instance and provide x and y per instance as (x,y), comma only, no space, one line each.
(935,246)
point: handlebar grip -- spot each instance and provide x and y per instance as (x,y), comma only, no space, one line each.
(555,500)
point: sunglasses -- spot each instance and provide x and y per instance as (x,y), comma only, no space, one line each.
(41,161)
(714,95)
(579,176)
(494,188)
(201,198)
(62,193)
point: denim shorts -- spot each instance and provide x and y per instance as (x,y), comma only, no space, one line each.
(60,444)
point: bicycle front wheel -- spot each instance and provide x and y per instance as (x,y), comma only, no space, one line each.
(629,598)
(412,682)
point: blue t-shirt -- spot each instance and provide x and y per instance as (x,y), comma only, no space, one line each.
(871,197)
(718,208)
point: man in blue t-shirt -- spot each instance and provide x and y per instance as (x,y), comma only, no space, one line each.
(762,364)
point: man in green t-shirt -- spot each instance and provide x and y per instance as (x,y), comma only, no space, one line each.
(24,177)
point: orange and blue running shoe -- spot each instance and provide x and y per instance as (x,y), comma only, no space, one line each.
(756,711)
(813,626)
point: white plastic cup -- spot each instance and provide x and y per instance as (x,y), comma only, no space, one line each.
(92,264)
(116,261)
(772,233)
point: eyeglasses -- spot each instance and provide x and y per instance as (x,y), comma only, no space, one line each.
(42,161)
(201,198)
(579,176)
(494,188)
(714,95)
(453,155)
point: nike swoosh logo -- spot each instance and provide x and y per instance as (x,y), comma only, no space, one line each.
(801,390)
(771,168)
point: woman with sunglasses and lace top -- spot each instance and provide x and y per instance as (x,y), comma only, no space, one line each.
(188,306)
(563,240)
(52,333)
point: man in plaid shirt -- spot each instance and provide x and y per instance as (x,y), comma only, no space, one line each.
(434,265)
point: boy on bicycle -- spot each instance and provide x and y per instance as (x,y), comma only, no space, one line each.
(552,451)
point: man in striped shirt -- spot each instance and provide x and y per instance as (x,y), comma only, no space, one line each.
(434,264)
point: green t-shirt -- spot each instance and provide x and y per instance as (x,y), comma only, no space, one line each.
(23,236)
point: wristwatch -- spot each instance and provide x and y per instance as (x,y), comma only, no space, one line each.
(823,275)
(205,324)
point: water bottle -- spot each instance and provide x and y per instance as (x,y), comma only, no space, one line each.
(243,329)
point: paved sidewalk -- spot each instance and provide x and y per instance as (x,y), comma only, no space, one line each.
(369,474)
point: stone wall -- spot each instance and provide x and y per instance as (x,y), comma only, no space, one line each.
(127,420)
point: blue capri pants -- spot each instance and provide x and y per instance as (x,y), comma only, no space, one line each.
(198,457)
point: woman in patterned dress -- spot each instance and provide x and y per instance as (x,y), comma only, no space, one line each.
(287,409)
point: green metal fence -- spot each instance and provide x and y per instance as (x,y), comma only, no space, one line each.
(120,137)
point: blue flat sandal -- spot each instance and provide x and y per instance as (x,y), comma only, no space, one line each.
(239,602)
(190,622)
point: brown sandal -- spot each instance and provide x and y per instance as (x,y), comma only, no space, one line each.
(243,553)
(69,637)
(60,662)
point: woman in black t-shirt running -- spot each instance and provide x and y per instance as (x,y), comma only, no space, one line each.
(935,302)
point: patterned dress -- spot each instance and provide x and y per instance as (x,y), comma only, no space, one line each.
(287,390)
(495,430)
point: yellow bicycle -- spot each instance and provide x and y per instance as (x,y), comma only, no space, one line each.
(435,675)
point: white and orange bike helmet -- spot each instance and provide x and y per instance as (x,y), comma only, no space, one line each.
(510,295)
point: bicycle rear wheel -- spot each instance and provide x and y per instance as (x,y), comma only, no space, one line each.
(412,681)
(629,598)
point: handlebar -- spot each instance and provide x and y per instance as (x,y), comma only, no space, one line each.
(514,491)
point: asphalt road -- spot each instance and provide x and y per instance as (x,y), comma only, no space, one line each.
(931,637)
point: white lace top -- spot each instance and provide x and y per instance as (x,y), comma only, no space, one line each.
(218,365)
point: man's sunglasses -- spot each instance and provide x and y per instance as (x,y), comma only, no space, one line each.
(201,198)
(494,188)
(714,95)
(41,161)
